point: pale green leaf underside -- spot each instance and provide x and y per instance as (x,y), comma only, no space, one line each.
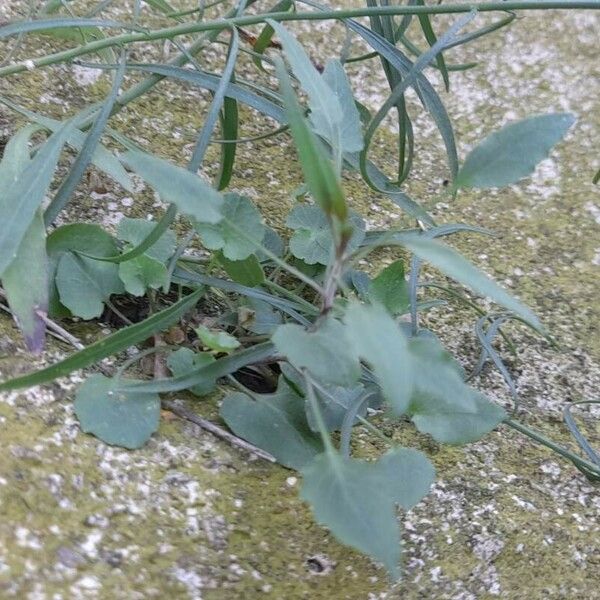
(512,152)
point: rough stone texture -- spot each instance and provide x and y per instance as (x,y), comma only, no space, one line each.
(188,516)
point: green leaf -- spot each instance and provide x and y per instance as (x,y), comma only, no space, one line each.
(451,424)
(84,284)
(334,400)
(357,500)
(240,231)
(274,422)
(390,289)
(19,202)
(216,340)
(135,231)
(117,418)
(326,111)
(442,404)
(263,41)
(194,197)
(351,128)
(512,152)
(319,173)
(247,271)
(312,240)
(112,344)
(459,268)
(102,158)
(142,273)
(76,237)
(80,35)
(326,353)
(185,361)
(161,5)
(378,340)
(25,282)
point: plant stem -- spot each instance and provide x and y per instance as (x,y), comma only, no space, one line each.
(225,23)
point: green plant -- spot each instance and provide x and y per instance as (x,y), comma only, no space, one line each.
(332,334)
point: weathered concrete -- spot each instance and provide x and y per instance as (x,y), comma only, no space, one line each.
(189,517)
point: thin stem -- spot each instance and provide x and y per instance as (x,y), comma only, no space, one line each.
(223,23)
(217,431)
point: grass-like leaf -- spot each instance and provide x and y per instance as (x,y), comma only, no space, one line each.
(20,201)
(112,344)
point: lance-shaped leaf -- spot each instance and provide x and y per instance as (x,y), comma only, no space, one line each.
(512,152)
(357,500)
(457,267)
(193,197)
(19,202)
(25,280)
(378,340)
(319,173)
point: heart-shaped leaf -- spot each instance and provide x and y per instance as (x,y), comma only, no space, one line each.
(390,289)
(85,284)
(116,417)
(357,500)
(274,422)
(240,232)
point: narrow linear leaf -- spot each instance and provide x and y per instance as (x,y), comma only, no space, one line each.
(70,182)
(221,367)
(112,344)
(43,24)
(102,158)
(459,268)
